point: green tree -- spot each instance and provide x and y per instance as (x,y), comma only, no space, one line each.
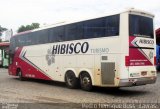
(1,30)
(35,25)
(22,28)
(28,27)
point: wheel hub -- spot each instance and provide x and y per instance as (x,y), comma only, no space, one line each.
(86,80)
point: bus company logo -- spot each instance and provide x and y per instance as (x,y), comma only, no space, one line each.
(50,57)
(145,41)
(70,48)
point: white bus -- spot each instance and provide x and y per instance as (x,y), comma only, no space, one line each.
(110,51)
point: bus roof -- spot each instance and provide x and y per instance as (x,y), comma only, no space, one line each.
(22,33)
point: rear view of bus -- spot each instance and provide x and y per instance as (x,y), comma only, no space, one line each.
(140,61)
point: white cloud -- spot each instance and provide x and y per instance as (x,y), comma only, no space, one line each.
(22,12)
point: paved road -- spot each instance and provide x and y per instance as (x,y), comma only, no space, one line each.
(37,91)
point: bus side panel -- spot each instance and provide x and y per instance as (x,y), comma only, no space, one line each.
(27,67)
(13,67)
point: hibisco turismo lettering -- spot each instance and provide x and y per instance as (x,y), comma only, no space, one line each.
(70,48)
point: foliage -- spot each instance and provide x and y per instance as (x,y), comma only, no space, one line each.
(2,29)
(28,27)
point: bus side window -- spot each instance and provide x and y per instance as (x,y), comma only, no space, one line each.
(42,36)
(11,57)
(94,28)
(59,34)
(112,25)
(51,37)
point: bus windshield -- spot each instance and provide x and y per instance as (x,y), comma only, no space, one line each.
(140,26)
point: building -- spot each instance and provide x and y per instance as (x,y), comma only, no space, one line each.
(6,35)
(4,56)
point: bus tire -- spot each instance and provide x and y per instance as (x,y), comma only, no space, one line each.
(20,75)
(85,81)
(71,80)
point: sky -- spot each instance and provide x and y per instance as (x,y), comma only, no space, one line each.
(15,13)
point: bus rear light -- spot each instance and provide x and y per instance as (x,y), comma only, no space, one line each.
(117,78)
(127,60)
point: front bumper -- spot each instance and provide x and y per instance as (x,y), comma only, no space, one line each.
(137,81)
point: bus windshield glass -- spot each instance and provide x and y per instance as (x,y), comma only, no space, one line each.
(140,26)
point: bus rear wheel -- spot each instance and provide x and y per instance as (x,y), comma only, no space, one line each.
(71,80)
(85,81)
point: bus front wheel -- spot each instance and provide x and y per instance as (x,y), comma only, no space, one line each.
(20,75)
(71,80)
(85,81)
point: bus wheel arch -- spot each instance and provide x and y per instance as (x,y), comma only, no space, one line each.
(85,80)
(71,80)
